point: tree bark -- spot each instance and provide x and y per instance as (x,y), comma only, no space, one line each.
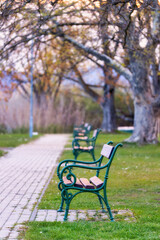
(108,107)
(145,117)
(145,120)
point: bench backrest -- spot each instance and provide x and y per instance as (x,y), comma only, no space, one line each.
(84,129)
(88,129)
(96,132)
(95,135)
(107,151)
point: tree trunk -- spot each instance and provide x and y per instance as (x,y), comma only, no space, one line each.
(145,120)
(145,117)
(108,106)
(109,122)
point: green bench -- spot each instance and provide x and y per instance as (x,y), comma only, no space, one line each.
(82,130)
(71,184)
(79,127)
(85,144)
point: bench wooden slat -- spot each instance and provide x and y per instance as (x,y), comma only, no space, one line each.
(78,183)
(86,183)
(86,148)
(80,134)
(66,181)
(107,150)
(83,148)
(81,138)
(97,182)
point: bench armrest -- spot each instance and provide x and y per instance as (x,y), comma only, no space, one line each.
(67,170)
(71,162)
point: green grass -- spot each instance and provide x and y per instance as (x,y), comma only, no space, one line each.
(83,230)
(14,139)
(1,153)
(133,184)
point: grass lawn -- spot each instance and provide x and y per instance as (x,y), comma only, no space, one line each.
(133,184)
(14,139)
(1,153)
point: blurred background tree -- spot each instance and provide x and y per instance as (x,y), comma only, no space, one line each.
(105,34)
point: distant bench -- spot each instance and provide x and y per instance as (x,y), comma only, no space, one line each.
(82,130)
(89,146)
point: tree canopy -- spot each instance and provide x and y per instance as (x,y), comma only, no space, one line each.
(122,35)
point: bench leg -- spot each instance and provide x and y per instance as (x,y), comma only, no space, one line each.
(107,205)
(92,154)
(101,203)
(75,156)
(110,214)
(68,200)
(66,212)
(61,206)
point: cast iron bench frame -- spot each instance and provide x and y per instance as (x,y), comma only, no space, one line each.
(69,181)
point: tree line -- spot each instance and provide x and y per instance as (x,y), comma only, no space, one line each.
(117,36)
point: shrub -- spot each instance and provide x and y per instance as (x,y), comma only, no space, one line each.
(3,128)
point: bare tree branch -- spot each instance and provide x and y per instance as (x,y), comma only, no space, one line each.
(110,62)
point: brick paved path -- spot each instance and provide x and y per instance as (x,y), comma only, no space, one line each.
(87,215)
(24,172)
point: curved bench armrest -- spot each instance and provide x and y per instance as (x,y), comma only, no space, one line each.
(68,168)
(71,162)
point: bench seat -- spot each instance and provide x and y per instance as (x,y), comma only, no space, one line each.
(66,181)
(78,183)
(81,138)
(97,182)
(83,148)
(84,182)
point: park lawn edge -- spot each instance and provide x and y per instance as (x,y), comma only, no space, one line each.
(141,196)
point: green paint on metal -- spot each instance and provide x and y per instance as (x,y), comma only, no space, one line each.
(66,168)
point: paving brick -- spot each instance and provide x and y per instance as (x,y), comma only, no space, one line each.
(23,175)
(72,215)
(51,215)
(82,215)
(14,235)
(60,216)
(4,233)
